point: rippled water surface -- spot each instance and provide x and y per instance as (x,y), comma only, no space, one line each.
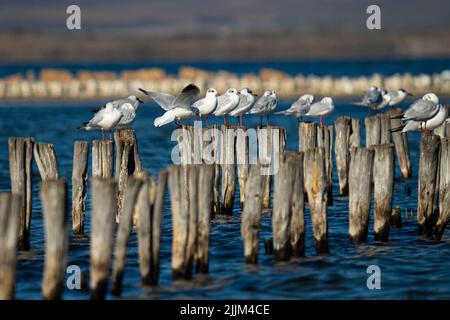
(411,268)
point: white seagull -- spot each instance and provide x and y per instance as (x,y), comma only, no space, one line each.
(372,98)
(246,101)
(227,103)
(398,97)
(208,104)
(430,124)
(104,119)
(300,107)
(265,105)
(321,109)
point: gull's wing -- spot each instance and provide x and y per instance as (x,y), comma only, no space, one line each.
(188,94)
(222,101)
(421,110)
(97,118)
(260,104)
(164,100)
(372,96)
(243,101)
(128,116)
(317,109)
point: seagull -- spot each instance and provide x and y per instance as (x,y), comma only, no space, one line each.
(398,97)
(372,98)
(227,103)
(246,102)
(430,124)
(208,104)
(176,108)
(265,105)
(300,107)
(128,107)
(422,110)
(321,109)
(104,119)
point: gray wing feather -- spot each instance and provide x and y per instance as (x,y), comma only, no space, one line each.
(421,110)
(164,100)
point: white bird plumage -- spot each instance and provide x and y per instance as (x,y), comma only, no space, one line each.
(226,103)
(246,102)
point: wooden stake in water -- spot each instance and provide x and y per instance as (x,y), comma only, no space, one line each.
(123,233)
(102,158)
(251,215)
(444,189)
(104,210)
(10,211)
(401,144)
(228,169)
(325,140)
(373,130)
(242,149)
(297,225)
(383,177)
(428,184)
(307,133)
(44,154)
(79,177)
(191,246)
(20,168)
(54,205)
(316,187)
(360,183)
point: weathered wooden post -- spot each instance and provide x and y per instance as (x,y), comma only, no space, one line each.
(20,168)
(383,176)
(347,136)
(401,144)
(228,169)
(205,185)
(307,135)
(217,147)
(123,233)
(316,188)
(127,163)
(102,158)
(396,218)
(79,177)
(385,128)
(297,225)
(373,130)
(444,189)
(242,159)
(360,182)
(44,154)
(53,196)
(251,215)
(325,140)
(104,210)
(191,245)
(10,211)
(428,175)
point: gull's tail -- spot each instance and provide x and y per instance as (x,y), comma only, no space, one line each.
(85,126)
(164,119)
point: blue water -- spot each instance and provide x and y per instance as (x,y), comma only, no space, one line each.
(410,267)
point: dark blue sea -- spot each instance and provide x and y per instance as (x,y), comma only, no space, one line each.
(411,268)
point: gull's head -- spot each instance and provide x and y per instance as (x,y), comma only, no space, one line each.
(134,98)
(307,97)
(246,91)
(212,92)
(386,95)
(373,88)
(232,91)
(431,97)
(404,92)
(109,106)
(327,100)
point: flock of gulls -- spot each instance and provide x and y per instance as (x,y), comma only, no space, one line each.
(423,114)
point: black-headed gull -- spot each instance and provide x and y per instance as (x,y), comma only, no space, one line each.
(300,107)
(265,105)
(208,104)
(226,103)
(246,101)
(430,124)
(104,119)
(398,97)
(321,109)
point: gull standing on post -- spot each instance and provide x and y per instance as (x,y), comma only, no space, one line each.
(208,104)
(104,119)
(398,97)
(265,105)
(227,103)
(422,110)
(371,99)
(430,124)
(176,108)
(300,107)
(246,102)
(321,109)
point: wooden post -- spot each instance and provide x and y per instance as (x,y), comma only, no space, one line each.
(53,196)
(180,218)
(401,145)
(360,182)
(44,153)
(383,176)
(325,140)
(156,225)
(242,158)
(127,163)
(444,189)
(123,233)
(316,187)
(251,215)
(297,225)
(104,209)
(228,169)
(307,135)
(216,134)
(385,128)
(10,212)
(428,185)
(396,218)
(20,168)
(373,130)
(347,136)
(282,205)
(205,184)
(102,158)
(79,177)
(191,245)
